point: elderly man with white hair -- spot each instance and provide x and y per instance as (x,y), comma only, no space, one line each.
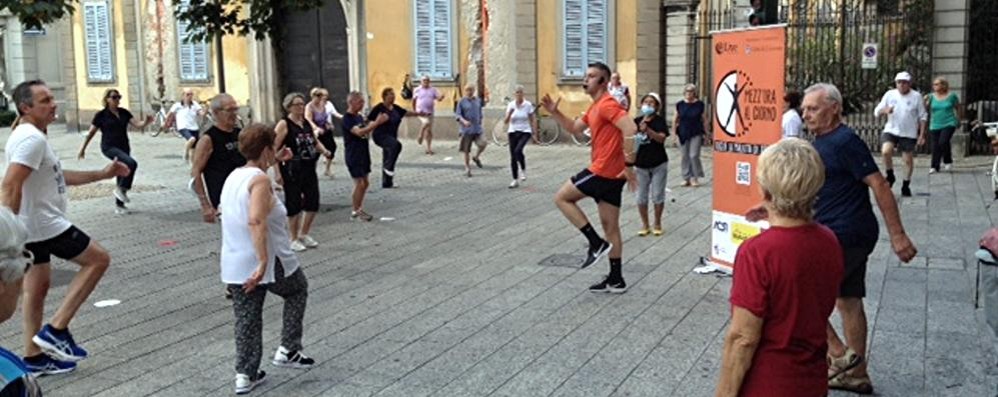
(905,128)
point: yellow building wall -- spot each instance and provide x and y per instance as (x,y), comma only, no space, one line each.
(91,94)
(390,45)
(235,48)
(574,100)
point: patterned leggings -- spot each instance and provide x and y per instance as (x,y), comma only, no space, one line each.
(249,317)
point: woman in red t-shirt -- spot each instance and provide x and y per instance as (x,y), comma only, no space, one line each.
(785,285)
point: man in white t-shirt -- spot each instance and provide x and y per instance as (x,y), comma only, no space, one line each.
(187,113)
(905,128)
(34,187)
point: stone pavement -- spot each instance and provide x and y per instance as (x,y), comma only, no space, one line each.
(466,291)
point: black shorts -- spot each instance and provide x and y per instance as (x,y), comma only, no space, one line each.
(599,188)
(301,187)
(68,245)
(854,275)
(903,144)
(326,139)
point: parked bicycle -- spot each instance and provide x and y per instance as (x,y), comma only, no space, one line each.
(163,122)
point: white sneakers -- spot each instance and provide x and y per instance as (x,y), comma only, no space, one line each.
(514,184)
(947,167)
(245,384)
(303,243)
(121,195)
(308,241)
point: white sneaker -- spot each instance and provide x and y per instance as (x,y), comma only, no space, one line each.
(932,170)
(308,241)
(523,175)
(121,195)
(244,384)
(947,167)
(297,246)
(291,359)
(514,184)
(121,211)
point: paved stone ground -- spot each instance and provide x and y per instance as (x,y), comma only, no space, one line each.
(450,299)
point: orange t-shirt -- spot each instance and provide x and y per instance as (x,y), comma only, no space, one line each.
(608,142)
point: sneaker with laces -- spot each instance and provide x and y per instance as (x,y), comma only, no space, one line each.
(514,184)
(309,242)
(297,246)
(44,365)
(609,286)
(595,254)
(292,359)
(121,194)
(360,215)
(246,384)
(58,344)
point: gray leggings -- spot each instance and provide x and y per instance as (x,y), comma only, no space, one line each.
(651,180)
(692,168)
(249,317)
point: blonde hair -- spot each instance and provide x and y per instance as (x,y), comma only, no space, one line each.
(791,174)
(318,91)
(943,82)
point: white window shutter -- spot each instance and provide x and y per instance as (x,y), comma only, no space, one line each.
(434,46)
(97,41)
(193,57)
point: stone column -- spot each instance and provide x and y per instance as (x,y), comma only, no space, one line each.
(680,30)
(649,51)
(949,54)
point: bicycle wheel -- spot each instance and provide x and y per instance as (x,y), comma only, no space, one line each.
(499,135)
(548,133)
(583,139)
(157,125)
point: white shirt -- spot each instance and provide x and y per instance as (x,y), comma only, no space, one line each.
(331,111)
(792,124)
(238,256)
(187,116)
(520,120)
(43,197)
(620,94)
(908,112)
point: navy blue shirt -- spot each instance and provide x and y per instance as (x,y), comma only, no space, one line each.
(357,149)
(844,200)
(690,119)
(391,127)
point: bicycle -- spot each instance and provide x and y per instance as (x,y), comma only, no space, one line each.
(548,129)
(162,122)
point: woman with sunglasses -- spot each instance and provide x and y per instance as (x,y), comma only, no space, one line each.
(320,112)
(113,122)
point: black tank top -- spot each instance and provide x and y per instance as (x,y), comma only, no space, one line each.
(301,141)
(225,158)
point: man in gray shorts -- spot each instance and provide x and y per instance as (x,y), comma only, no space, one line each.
(905,128)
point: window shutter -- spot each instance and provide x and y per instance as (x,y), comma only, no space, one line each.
(584,33)
(434,53)
(596,31)
(193,57)
(573,52)
(97,39)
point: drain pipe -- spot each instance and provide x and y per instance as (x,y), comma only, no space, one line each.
(140,57)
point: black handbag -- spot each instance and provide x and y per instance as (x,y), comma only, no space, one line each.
(406,88)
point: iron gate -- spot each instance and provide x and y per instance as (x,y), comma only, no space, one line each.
(982,63)
(824,44)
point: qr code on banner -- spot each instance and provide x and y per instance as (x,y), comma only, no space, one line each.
(743,173)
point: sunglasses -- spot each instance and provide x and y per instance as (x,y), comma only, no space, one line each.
(115,97)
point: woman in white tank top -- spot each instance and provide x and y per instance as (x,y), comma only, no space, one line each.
(256,257)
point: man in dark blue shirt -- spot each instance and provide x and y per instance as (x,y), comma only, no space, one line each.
(844,206)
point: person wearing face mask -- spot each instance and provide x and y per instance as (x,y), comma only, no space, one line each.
(652,163)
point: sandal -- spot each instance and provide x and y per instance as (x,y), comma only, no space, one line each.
(642,232)
(657,231)
(839,365)
(854,384)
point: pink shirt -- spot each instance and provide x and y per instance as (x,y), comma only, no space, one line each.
(425,98)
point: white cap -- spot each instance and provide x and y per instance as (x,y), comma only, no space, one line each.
(905,76)
(657,98)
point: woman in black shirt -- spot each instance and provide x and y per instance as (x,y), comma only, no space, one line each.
(113,122)
(651,164)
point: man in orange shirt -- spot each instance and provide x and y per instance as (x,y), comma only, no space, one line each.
(611,165)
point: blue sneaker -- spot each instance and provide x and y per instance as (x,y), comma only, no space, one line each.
(45,365)
(60,348)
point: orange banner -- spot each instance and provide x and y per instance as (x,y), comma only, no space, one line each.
(748,90)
